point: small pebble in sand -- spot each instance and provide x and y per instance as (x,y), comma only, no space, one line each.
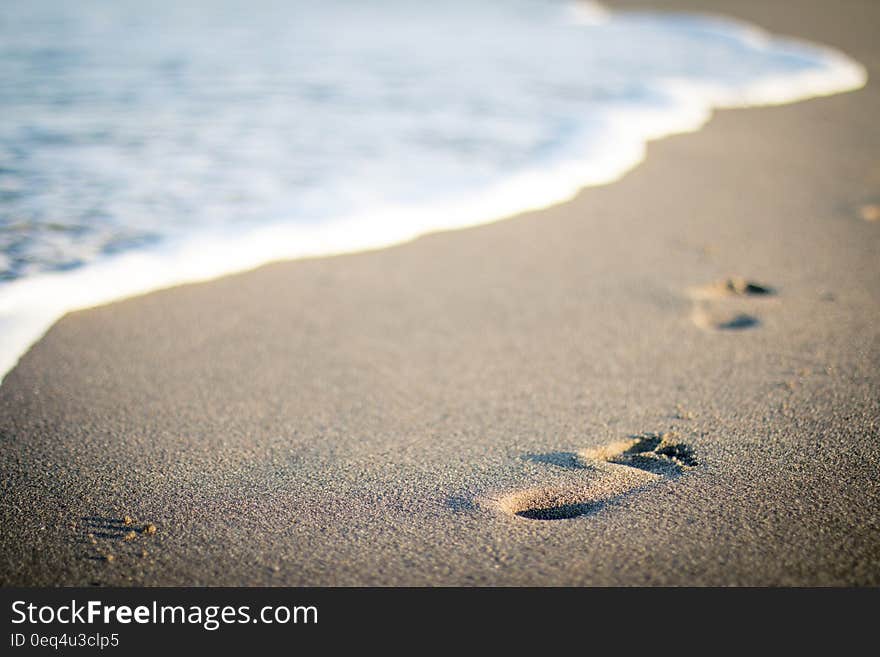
(870,212)
(150,529)
(128,520)
(143,554)
(109,558)
(130,536)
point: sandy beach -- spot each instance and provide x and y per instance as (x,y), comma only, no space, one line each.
(670,380)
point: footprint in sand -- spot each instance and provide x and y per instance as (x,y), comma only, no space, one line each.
(110,536)
(609,472)
(728,305)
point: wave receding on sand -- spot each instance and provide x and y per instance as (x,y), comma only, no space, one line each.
(29,306)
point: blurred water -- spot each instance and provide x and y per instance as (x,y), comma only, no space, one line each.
(212,136)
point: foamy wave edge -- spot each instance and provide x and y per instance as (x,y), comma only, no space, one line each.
(30,306)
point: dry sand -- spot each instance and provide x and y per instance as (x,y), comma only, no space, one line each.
(380,418)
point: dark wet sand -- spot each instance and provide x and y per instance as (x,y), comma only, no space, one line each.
(379,418)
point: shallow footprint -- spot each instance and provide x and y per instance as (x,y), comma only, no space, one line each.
(718,320)
(611,471)
(732,287)
(726,305)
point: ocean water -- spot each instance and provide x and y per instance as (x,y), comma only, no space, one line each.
(148,144)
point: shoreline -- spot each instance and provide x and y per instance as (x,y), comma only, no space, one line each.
(30,305)
(361,419)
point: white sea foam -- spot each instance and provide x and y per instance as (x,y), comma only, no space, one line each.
(624,80)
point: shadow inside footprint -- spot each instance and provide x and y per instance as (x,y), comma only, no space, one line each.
(733,287)
(553,503)
(739,322)
(678,452)
(561,512)
(742,287)
(723,322)
(647,442)
(657,453)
